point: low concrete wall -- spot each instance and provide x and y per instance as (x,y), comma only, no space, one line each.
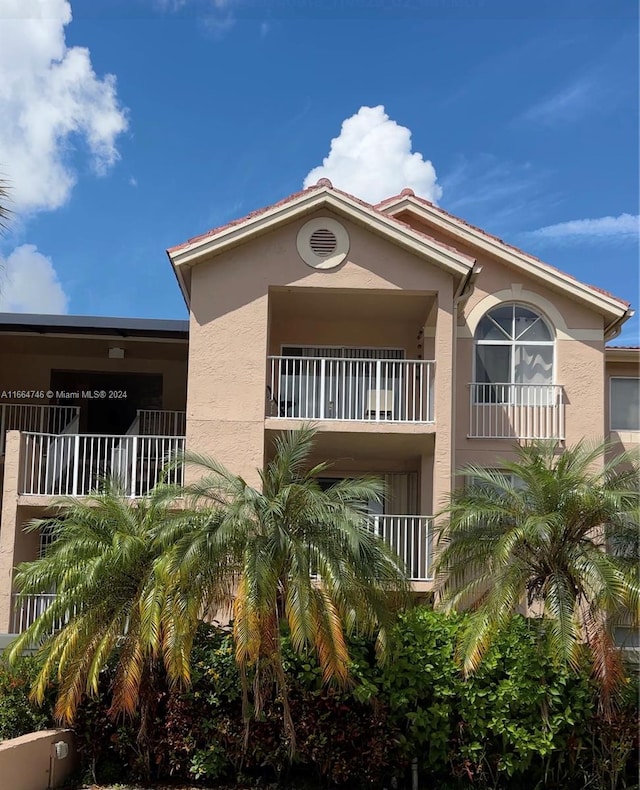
(29,762)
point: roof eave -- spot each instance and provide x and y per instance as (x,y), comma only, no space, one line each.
(200,249)
(601,302)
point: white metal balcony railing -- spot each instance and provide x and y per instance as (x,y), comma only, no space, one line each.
(370,390)
(409,536)
(411,539)
(26,611)
(76,464)
(157,422)
(516,411)
(34,417)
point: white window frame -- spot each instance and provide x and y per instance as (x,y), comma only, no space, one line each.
(611,428)
(512,343)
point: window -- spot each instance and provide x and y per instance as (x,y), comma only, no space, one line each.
(514,345)
(625,404)
(344,386)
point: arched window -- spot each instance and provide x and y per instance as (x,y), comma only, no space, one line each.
(513,345)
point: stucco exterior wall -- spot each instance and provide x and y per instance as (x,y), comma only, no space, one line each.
(28,762)
(232,329)
(340,332)
(12,539)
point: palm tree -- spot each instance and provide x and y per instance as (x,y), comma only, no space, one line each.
(109,600)
(537,530)
(293,556)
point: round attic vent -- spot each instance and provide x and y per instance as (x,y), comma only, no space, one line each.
(323,243)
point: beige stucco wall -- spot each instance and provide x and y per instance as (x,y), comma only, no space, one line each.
(12,540)
(232,329)
(578,363)
(27,762)
(249,301)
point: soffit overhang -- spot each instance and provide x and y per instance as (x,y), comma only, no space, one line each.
(206,247)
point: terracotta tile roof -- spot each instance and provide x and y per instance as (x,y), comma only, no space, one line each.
(438,209)
(379,208)
(323,182)
(240,220)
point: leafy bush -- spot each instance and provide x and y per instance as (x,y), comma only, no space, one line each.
(18,715)
(519,721)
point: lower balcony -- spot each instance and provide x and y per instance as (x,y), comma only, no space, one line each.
(346,389)
(409,536)
(77,464)
(26,611)
(516,411)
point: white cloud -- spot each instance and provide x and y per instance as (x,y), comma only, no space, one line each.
(133,182)
(372,159)
(29,283)
(216,17)
(624,227)
(50,100)
(568,104)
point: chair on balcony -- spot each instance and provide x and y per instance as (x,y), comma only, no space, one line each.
(275,408)
(379,405)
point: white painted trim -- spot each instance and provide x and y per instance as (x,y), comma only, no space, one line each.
(521,260)
(512,344)
(516,294)
(450,260)
(548,310)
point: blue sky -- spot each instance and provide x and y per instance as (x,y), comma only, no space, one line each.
(130,126)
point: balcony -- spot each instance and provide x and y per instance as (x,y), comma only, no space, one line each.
(76,464)
(35,417)
(411,539)
(409,536)
(516,411)
(350,390)
(159,422)
(26,611)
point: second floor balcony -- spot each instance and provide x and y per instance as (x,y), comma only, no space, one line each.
(516,411)
(36,417)
(350,389)
(77,464)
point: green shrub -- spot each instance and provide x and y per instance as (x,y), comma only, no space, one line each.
(17,714)
(520,721)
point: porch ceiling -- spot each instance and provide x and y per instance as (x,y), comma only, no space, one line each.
(334,445)
(307,303)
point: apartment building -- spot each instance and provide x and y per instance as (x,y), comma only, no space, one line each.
(415,342)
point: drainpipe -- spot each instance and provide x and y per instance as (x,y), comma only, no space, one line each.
(462,293)
(615,327)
